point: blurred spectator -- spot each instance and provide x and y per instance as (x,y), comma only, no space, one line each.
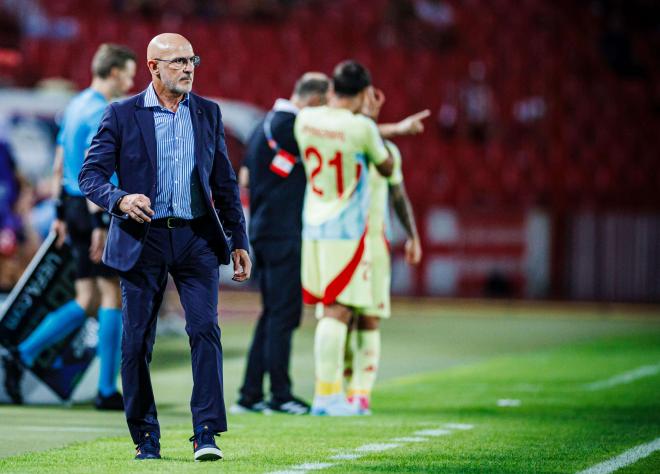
(15,201)
(529,109)
(617,48)
(35,22)
(414,23)
(448,113)
(477,103)
(10,43)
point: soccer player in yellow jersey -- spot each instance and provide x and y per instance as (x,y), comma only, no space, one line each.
(338,146)
(363,348)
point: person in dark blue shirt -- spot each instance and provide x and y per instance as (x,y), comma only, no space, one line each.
(276,179)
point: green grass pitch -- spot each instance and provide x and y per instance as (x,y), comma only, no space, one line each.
(445,367)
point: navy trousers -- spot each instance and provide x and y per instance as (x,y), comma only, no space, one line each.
(187,253)
(277,263)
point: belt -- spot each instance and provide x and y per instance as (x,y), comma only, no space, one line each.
(170,222)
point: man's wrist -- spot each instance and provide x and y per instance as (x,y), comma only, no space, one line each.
(117,207)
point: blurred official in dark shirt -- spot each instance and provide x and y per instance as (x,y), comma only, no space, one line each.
(276,180)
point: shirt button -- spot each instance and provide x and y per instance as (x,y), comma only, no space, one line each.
(176,182)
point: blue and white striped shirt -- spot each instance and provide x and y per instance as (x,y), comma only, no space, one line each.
(178,190)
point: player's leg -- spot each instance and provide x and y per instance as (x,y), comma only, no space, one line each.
(58,324)
(67,318)
(109,345)
(365,361)
(285,312)
(252,391)
(366,356)
(329,347)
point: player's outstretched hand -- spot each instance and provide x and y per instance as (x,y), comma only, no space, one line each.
(413,251)
(242,265)
(59,227)
(413,124)
(137,206)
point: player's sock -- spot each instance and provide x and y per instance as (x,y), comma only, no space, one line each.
(329,345)
(365,363)
(108,349)
(55,326)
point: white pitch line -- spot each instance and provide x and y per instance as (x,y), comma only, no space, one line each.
(376,447)
(410,439)
(345,457)
(458,426)
(626,377)
(312,466)
(509,402)
(624,459)
(437,432)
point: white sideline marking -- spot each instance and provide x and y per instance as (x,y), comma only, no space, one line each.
(626,377)
(312,466)
(410,439)
(508,402)
(376,447)
(438,432)
(624,459)
(459,426)
(345,457)
(365,449)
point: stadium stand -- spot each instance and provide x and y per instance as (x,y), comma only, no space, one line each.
(573,118)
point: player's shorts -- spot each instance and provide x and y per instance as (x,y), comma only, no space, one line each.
(79,227)
(337,271)
(381,277)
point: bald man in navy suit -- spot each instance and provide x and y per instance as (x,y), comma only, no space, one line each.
(176,210)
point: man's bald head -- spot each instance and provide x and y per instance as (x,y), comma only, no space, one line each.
(168,44)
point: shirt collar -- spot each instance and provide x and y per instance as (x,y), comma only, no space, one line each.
(285,105)
(151,99)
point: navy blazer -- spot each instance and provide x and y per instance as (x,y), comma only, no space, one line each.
(125,143)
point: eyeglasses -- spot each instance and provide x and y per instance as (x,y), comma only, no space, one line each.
(180,63)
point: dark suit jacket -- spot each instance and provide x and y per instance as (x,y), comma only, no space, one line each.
(126,144)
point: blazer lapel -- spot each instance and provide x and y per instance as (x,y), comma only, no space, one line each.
(197,119)
(145,121)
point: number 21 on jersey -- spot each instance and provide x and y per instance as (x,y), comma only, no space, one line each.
(319,175)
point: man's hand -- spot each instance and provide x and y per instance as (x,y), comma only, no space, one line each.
(137,206)
(59,227)
(413,124)
(98,243)
(242,265)
(413,251)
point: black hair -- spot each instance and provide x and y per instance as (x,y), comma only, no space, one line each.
(350,78)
